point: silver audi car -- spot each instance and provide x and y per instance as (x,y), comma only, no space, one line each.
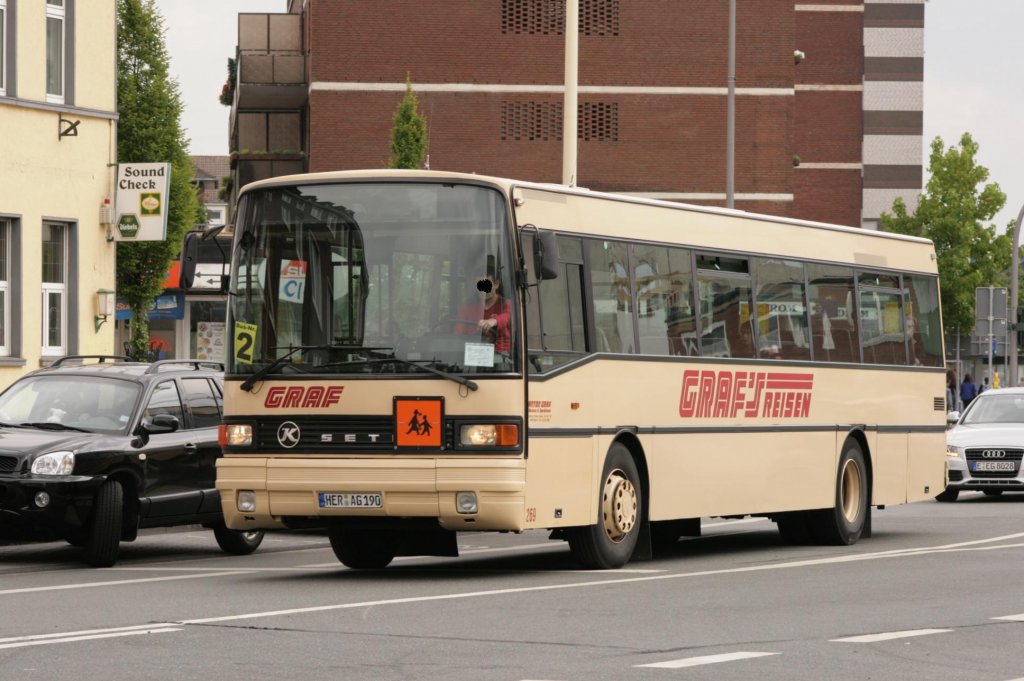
(985,446)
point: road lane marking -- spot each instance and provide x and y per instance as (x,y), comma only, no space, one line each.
(889,636)
(118,582)
(704,659)
(590,583)
(69,638)
(1010,618)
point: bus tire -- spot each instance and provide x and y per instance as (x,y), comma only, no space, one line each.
(362,549)
(947,495)
(844,523)
(104,536)
(610,542)
(237,542)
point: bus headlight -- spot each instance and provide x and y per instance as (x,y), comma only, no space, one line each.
(54,463)
(489,435)
(465,502)
(234,435)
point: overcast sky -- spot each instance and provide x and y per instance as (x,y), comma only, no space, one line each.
(974,80)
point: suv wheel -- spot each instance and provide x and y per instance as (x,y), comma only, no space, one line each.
(104,537)
(237,542)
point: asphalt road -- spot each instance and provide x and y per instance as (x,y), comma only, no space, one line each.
(936,593)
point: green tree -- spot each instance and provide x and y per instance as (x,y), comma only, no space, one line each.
(409,136)
(952,213)
(149,130)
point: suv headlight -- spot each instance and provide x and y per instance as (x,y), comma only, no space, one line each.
(953,450)
(54,463)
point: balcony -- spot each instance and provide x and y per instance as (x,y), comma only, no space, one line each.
(271,62)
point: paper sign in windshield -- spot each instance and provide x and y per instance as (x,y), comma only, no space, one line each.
(293,281)
(479,355)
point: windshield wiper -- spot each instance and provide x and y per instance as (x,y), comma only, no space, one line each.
(419,364)
(247,384)
(52,425)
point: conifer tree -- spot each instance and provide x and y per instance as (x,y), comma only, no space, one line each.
(409,136)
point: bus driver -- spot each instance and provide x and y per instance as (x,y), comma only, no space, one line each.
(494,312)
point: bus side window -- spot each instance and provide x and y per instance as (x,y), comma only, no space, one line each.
(555,319)
(781,309)
(608,262)
(833,324)
(664,283)
(921,307)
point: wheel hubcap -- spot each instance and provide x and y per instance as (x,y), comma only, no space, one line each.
(850,491)
(618,506)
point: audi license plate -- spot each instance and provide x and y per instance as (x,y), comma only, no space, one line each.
(351,499)
(995,465)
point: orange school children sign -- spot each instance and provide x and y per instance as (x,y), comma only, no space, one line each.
(418,421)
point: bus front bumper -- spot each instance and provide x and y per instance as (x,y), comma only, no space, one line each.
(293,488)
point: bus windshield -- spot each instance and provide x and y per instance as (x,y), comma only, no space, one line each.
(373,278)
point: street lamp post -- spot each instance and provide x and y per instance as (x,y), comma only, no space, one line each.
(569,122)
(1015,257)
(730,115)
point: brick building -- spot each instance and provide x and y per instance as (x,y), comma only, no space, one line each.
(828,95)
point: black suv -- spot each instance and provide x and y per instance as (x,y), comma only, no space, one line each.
(95,447)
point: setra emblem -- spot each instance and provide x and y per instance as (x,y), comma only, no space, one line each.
(288,434)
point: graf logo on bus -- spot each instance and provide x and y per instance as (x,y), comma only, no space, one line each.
(312,397)
(745,394)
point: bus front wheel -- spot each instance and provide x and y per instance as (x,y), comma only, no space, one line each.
(362,549)
(610,542)
(844,523)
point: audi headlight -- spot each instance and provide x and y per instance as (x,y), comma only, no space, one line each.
(54,463)
(489,435)
(234,435)
(953,450)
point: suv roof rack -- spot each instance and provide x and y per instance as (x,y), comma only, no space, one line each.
(102,359)
(196,364)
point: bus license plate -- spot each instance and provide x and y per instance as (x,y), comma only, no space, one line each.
(995,465)
(351,499)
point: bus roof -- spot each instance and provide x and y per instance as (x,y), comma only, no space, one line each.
(508,185)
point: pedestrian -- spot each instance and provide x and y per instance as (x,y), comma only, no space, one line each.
(951,391)
(984,386)
(968,391)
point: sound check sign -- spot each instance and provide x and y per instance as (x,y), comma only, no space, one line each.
(141,206)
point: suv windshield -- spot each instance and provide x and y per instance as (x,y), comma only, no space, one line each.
(83,402)
(343,277)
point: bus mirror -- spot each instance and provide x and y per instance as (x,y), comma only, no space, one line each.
(189,258)
(545,255)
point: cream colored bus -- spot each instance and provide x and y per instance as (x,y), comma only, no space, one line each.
(415,354)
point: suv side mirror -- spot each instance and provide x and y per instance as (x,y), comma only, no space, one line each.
(162,423)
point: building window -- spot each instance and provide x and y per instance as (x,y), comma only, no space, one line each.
(55,265)
(55,51)
(3,47)
(5,287)
(216,215)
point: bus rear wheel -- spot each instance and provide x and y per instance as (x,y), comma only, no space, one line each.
(611,541)
(845,522)
(362,549)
